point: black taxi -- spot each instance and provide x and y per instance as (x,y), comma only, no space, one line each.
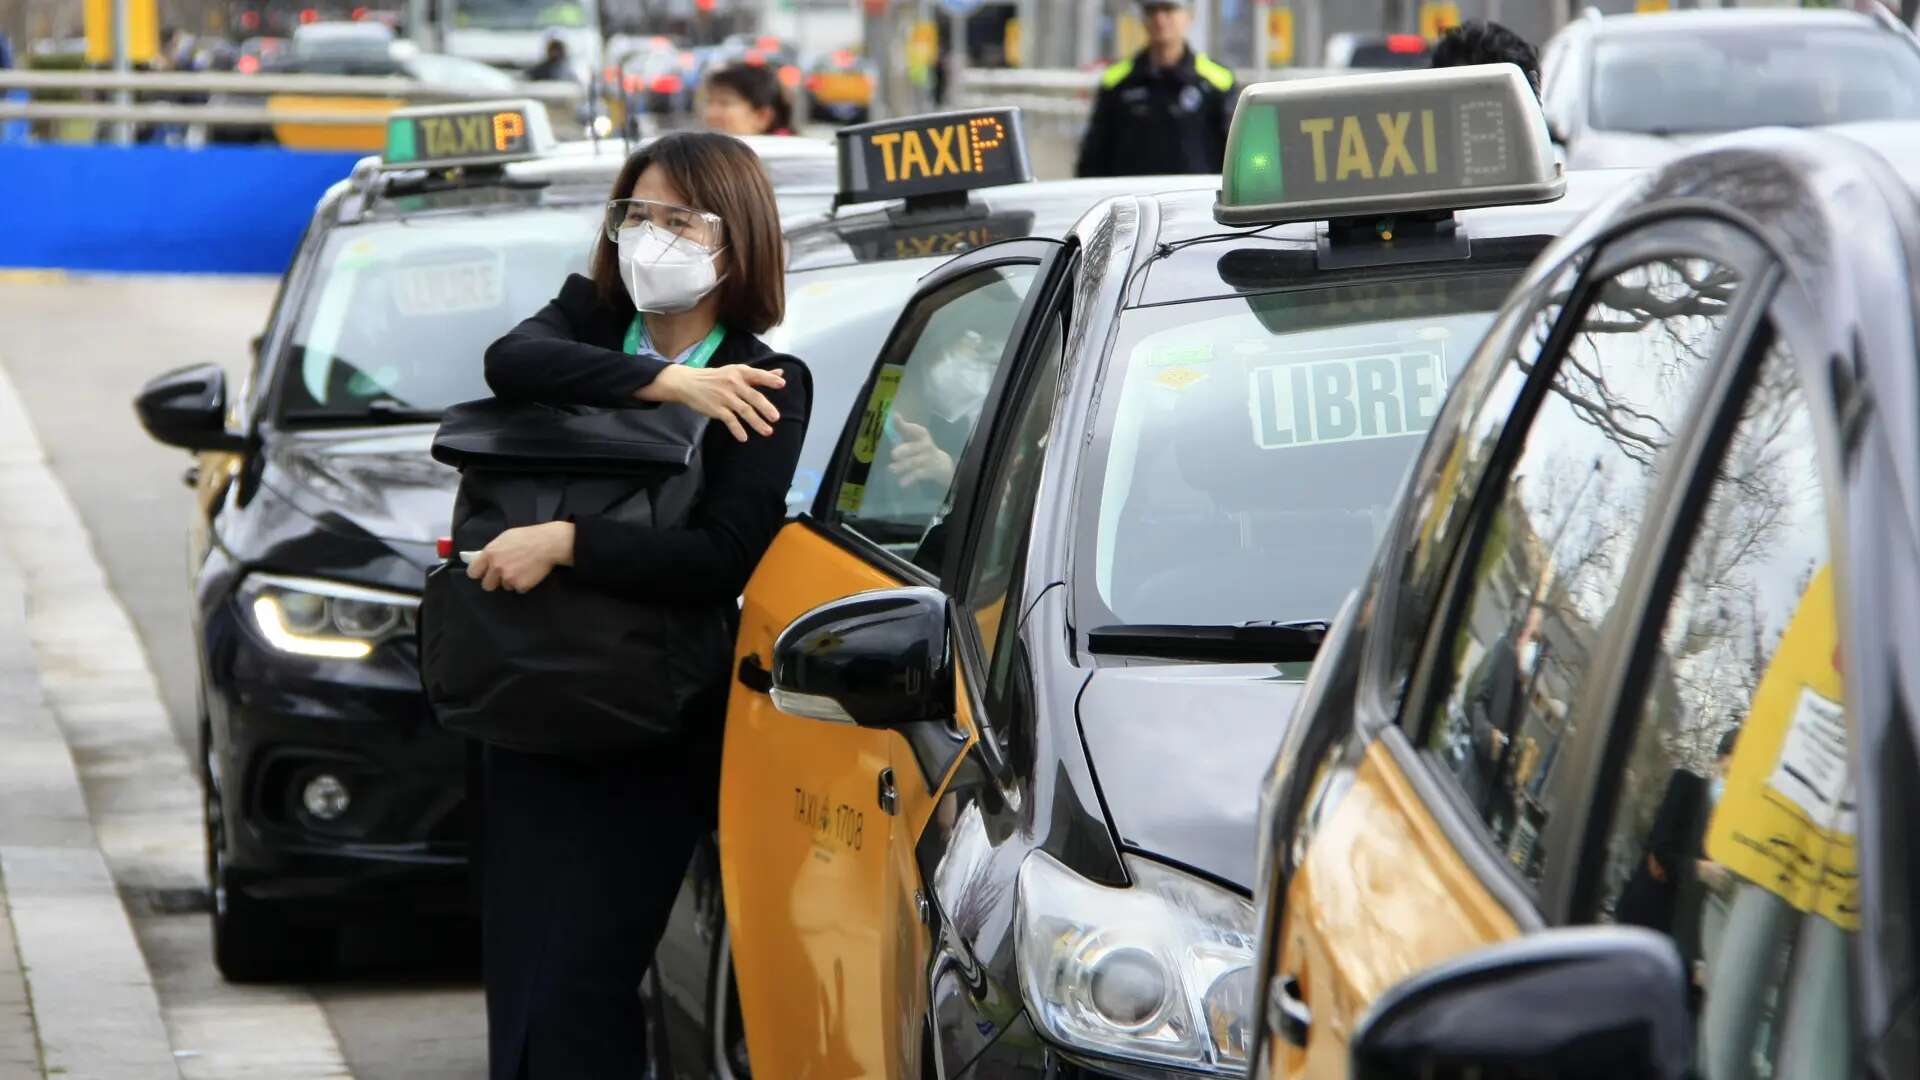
(330,792)
(1611,765)
(1004,694)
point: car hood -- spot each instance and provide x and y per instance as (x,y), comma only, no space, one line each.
(380,483)
(1179,752)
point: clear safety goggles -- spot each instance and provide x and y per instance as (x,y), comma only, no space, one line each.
(695,230)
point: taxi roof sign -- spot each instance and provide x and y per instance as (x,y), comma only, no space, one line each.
(469,133)
(1383,144)
(932,158)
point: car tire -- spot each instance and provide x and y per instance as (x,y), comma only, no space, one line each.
(726,1035)
(253,941)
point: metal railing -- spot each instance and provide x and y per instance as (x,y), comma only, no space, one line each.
(235,96)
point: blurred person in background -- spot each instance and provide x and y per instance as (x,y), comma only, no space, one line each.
(555,68)
(743,99)
(1477,41)
(1164,111)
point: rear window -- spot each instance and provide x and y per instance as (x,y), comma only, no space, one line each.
(1730,79)
(1249,460)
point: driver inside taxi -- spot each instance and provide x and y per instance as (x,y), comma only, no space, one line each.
(936,412)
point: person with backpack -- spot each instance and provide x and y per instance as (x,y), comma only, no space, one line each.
(596,628)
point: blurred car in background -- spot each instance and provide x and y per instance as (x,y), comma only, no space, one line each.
(347,48)
(256,52)
(840,87)
(1385,52)
(660,82)
(760,50)
(1635,90)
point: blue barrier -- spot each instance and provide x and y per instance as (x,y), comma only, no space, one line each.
(221,209)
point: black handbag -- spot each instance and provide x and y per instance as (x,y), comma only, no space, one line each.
(568,668)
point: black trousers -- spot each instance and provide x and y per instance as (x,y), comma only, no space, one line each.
(580,866)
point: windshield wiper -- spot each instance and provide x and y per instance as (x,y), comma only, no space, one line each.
(377,411)
(1256,642)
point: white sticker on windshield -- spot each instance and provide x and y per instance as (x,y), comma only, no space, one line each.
(448,288)
(1346,394)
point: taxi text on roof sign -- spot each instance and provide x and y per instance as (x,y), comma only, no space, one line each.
(1379,145)
(938,154)
(470,133)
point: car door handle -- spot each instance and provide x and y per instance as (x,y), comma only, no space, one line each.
(753,676)
(1288,1016)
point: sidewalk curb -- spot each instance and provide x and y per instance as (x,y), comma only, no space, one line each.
(89,1005)
(117,802)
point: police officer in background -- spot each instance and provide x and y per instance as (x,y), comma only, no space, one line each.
(1164,111)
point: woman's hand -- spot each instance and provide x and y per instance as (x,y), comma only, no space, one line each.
(729,393)
(916,458)
(520,559)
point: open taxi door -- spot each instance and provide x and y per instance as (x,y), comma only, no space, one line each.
(818,817)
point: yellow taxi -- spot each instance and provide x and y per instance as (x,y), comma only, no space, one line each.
(1005,691)
(1609,768)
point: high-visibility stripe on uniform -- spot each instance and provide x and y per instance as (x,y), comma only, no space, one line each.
(1219,76)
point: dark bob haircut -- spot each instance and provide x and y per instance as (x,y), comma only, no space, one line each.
(759,87)
(718,174)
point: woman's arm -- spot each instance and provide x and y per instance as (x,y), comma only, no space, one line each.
(742,507)
(544,360)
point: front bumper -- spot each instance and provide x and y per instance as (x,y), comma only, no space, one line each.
(279,721)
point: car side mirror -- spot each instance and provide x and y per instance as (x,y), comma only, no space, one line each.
(877,659)
(188,408)
(1562,1004)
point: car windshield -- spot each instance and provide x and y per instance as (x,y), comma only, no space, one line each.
(837,319)
(518,14)
(1250,458)
(1741,78)
(402,312)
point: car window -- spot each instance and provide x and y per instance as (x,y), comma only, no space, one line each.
(837,320)
(1551,557)
(921,411)
(1009,499)
(1742,77)
(1250,448)
(1442,490)
(1732,828)
(403,312)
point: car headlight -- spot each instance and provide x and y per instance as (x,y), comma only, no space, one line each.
(1161,972)
(327,619)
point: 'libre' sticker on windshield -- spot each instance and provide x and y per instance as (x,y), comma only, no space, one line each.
(448,288)
(1347,394)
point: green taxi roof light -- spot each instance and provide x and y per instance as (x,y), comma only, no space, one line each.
(468,133)
(1396,143)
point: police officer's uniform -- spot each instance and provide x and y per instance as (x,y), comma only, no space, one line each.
(1150,120)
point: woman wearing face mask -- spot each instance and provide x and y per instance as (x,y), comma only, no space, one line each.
(581,859)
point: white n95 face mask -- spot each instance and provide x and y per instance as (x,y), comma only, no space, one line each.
(665,273)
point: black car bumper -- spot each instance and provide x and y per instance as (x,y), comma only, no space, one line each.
(280,724)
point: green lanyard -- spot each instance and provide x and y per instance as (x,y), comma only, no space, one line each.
(638,339)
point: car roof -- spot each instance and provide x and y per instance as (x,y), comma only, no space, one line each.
(1192,271)
(584,170)
(1708,21)
(1055,206)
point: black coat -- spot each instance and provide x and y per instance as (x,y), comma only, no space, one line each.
(1149,120)
(1674,842)
(580,861)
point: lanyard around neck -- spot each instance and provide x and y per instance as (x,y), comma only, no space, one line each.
(638,339)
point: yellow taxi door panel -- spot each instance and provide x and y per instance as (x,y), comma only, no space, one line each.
(1382,894)
(820,884)
(803,840)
